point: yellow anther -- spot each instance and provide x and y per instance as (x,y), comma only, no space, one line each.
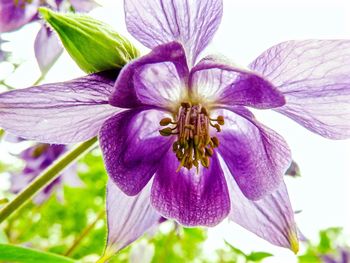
(194,146)
(201,151)
(217,127)
(189,126)
(175,146)
(186,104)
(196,140)
(165,121)
(215,141)
(185,145)
(205,161)
(220,120)
(204,111)
(209,152)
(166,132)
(179,155)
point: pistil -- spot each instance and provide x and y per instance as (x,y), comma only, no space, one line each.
(193,146)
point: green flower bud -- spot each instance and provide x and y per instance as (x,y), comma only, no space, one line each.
(93,45)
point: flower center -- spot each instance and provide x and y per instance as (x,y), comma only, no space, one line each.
(193,146)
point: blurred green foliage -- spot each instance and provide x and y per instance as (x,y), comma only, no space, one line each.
(330,242)
(76,227)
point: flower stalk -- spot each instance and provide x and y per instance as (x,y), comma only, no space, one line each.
(45,178)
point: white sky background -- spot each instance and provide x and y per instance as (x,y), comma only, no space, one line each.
(248,28)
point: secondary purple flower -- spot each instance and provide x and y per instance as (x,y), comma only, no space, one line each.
(179,137)
(342,257)
(37,158)
(16,13)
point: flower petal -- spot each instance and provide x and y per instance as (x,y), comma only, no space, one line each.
(128,217)
(47,48)
(256,156)
(83,5)
(314,76)
(15,14)
(271,218)
(61,113)
(224,84)
(154,79)
(191,198)
(191,22)
(132,148)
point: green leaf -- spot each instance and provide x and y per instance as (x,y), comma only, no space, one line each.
(20,254)
(235,250)
(258,256)
(92,44)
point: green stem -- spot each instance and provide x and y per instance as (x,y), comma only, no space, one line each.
(42,76)
(85,232)
(45,178)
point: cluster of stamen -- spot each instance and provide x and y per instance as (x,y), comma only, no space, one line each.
(193,146)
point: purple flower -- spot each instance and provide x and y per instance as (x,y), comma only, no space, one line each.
(343,257)
(177,136)
(37,158)
(16,13)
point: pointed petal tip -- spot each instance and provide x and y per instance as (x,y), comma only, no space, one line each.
(293,241)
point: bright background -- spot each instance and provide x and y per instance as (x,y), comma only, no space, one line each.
(248,28)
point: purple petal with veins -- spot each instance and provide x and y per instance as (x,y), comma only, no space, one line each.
(155,79)
(47,48)
(192,23)
(313,76)
(228,85)
(191,198)
(271,217)
(128,217)
(61,113)
(132,148)
(256,156)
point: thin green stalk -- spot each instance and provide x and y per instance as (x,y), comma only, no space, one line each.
(45,178)
(85,232)
(42,76)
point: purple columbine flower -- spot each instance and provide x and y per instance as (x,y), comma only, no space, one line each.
(37,158)
(16,13)
(343,257)
(177,133)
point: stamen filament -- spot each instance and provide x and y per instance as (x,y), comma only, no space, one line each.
(194,145)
